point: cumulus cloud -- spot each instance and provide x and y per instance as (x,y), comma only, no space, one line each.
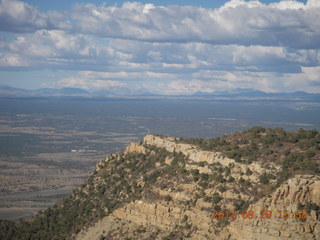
(188,56)
(162,67)
(215,81)
(237,22)
(56,49)
(17,16)
(91,84)
(12,60)
(168,49)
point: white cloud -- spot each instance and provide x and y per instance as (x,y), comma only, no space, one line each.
(59,49)
(171,49)
(313,4)
(91,84)
(288,5)
(12,60)
(17,16)
(308,81)
(104,75)
(186,56)
(181,68)
(237,22)
(128,76)
(312,73)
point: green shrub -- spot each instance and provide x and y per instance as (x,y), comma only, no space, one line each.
(216,198)
(217,207)
(264,178)
(222,189)
(248,172)
(167,198)
(204,177)
(231,179)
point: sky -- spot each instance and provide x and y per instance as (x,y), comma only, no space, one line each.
(162,47)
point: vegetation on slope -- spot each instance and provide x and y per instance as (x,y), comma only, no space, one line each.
(124,178)
(296,152)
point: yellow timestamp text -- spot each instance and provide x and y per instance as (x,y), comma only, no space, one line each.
(263,214)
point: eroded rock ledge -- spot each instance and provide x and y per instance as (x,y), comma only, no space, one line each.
(196,155)
(166,215)
(300,189)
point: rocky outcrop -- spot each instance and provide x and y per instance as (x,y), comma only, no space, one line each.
(135,147)
(166,215)
(301,189)
(191,151)
(196,155)
(186,210)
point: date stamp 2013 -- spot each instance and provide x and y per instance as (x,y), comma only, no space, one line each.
(263,214)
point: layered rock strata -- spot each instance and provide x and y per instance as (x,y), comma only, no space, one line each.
(167,215)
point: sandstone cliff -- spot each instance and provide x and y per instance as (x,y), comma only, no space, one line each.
(257,184)
(157,217)
(196,155)
(301,189)
(167,215)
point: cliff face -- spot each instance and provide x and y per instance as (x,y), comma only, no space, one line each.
(165,216)
(195,155)
(298,190)
(180,209)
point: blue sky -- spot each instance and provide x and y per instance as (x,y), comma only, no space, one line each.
(167,47)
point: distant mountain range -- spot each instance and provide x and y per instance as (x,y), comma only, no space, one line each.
(12,92)
(237,94)
(8,91)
